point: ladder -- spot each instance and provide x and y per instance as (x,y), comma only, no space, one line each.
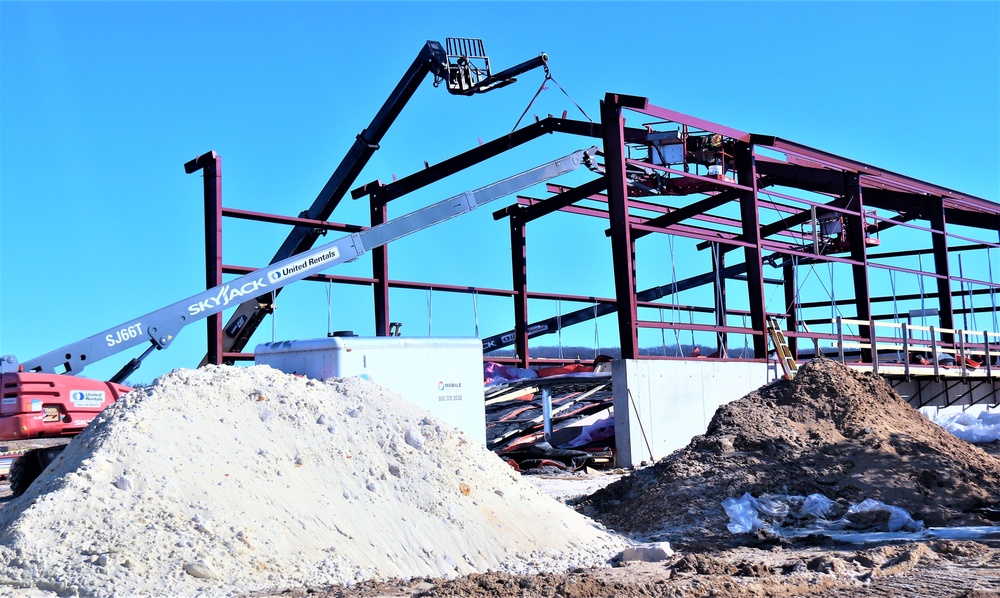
(781,348)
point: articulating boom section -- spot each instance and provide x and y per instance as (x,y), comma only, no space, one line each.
(160,327)
(464,68)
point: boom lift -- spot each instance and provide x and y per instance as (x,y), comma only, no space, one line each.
(40,401)
(464,68)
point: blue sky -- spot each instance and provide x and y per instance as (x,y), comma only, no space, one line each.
(102,103)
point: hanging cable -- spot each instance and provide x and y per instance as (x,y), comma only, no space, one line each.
(796,307)
(770,199)
(329,308)
(920,283)
(475,310)
(429,312)
(663,334)
(746,339)
(719,300)
(895,311)
(597,334)
(691,322)
(833,293)
(541,88)
(961,292)
(923,309)
(559,325)
(274,317)
(993,296)
(829,292)
(674,313)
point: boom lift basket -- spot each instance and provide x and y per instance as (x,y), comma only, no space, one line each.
(468,65)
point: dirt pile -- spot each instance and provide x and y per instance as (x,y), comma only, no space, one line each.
(831,431)
(223,481)
(942,569)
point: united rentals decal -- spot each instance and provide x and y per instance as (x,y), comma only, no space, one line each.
(299,265)
(228,293)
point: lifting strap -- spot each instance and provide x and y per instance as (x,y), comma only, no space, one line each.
(781,348)
(541,88)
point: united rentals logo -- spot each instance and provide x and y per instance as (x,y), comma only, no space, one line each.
(228,293)
(299,265)
(87,398)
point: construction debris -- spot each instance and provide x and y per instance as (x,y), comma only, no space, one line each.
(581,421)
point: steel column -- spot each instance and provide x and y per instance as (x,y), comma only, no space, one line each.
(380,270)
(622,245)
(718,265)
(519,271)
(857,240)
(211,166)
(746,170)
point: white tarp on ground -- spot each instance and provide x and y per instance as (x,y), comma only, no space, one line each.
(981,428)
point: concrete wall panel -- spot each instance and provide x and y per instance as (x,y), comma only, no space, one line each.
(661,405)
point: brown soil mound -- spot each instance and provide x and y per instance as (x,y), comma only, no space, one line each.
(831,430)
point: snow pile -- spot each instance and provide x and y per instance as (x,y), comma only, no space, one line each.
(224,480)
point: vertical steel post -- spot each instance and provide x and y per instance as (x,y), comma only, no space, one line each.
(379,214)
(519,270)
(857,241)
(546,415)
(622,245)
(840,338)
(719,264)
(749,214)
(874,349)
(934,355)
(987,358)
(906,353)
(211,166)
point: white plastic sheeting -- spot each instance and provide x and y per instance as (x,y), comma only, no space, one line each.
(977,429)
(748,514)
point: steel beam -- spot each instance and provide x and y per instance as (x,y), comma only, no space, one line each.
(436,172)
(553,204)
(622,245)
(292,220)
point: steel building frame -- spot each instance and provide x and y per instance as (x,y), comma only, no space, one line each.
(749,201)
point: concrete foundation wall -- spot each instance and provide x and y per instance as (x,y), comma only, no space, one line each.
(661,405)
